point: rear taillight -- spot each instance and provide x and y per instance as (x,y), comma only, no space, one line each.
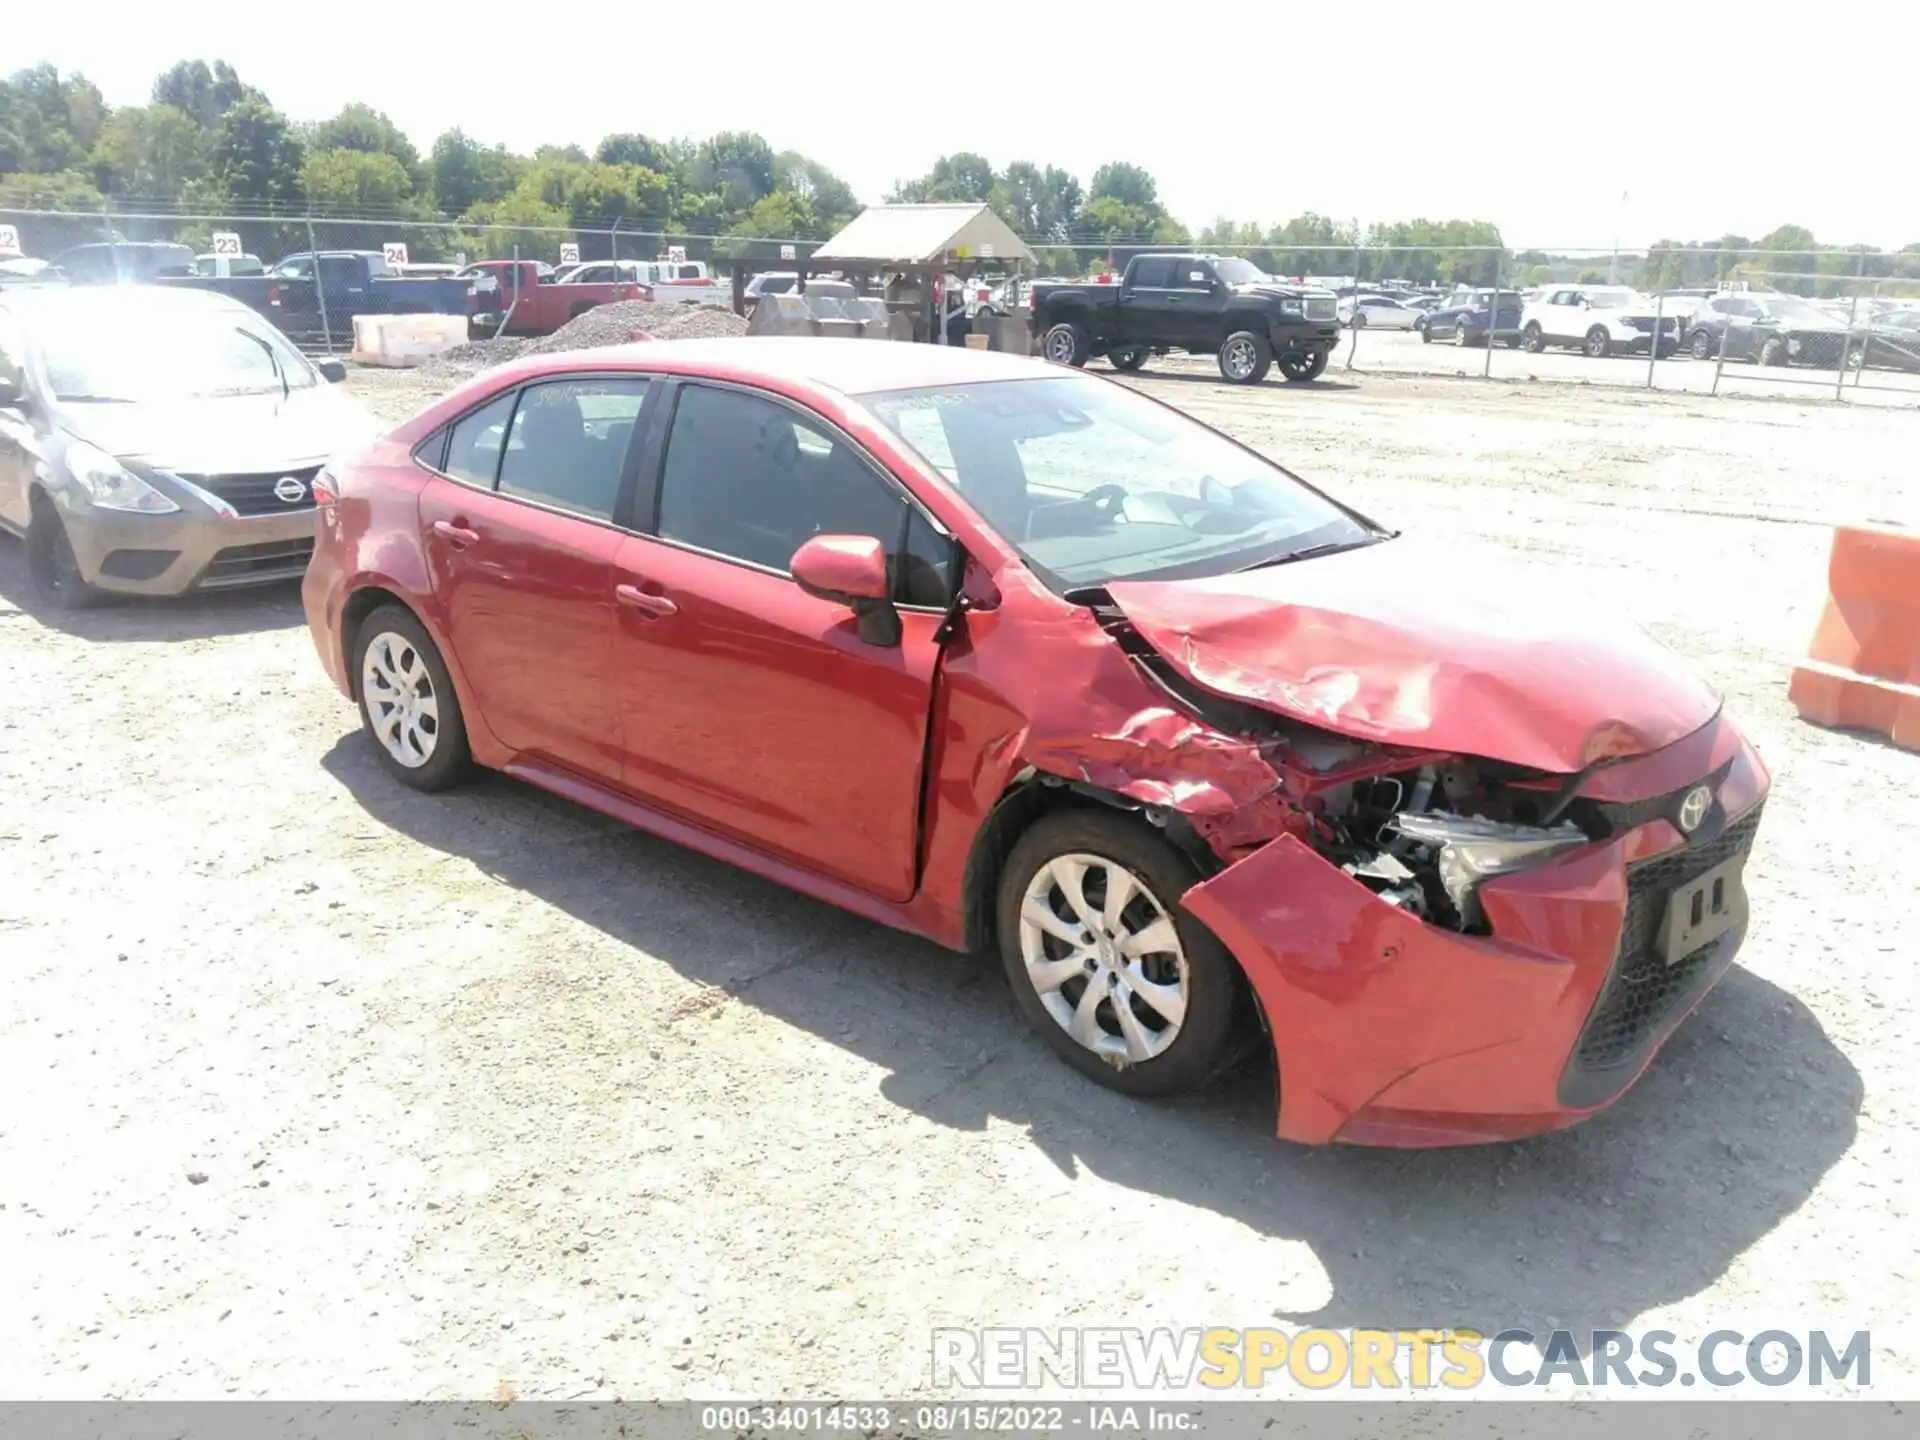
(273,294)
(326,489)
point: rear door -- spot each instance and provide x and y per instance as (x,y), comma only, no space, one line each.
(20,440)
(749,706)
(520,533)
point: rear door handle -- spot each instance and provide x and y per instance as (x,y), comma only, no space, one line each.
(457,534)
(638,599)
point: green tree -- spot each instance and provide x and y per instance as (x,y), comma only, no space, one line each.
(830,198)
(736,164)
(632,148)
(257,156)
(1039,203)
(155,150)
(48,123)
(207,94)
(355,182)
(958,177)
(779,216)
(369,131)
(464,173)
(1129,184)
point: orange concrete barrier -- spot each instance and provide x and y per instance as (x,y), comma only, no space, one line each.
(1863,669)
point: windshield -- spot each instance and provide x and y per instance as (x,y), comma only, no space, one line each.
(170,357)
(1235,271)
(1795,310)
(1092,482)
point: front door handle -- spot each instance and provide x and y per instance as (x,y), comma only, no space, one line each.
(638,599)
(459,536)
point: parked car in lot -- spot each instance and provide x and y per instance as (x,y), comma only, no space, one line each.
(155,440)
(1008,655)
(531,303)
(1378,312)
(1893,341)
(1600,320)
(668,281)
(225,265)
(1772,329)
(123,262)
(1201,304)
(352,282)
(1471,318)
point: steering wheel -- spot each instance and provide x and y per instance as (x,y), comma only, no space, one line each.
(1108,501)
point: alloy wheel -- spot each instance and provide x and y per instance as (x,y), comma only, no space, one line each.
(402,706)
(1060,345)
(1239,359)
(1104,958)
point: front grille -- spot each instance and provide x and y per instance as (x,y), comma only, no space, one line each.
(1643,994)
(239,564)
(254,494)
(1321,308)
(1643,323)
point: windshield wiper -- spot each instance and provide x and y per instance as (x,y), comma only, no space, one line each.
(1311,552)
(286,390)
(95,400)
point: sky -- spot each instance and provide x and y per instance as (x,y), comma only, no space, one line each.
(1566,130)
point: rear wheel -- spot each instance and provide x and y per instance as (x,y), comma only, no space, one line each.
(1066,344)
(1300,368)
(1125,987)
(1599,343)
(1359,319)
(577,311)
(1773,351)
(1533,338)
(1128,359)
(1701,346)
(407,701)
(52,569)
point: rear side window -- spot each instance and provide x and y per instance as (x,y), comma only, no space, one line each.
(1153,275)
(569,441)
(473,448)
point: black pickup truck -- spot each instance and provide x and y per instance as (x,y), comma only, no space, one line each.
(1202,304)
(353,282)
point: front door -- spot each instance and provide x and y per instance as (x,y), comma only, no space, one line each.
(1199,317)
(749,706)
(520,541)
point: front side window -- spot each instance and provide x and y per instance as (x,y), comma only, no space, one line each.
(568,443)
(754,481)
(1091,482)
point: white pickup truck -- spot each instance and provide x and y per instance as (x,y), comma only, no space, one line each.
(673,282)
(1601,320)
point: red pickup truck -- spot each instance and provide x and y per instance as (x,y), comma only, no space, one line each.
(523,293)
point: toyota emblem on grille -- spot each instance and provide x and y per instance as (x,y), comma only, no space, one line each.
(1694,808)
(289,489)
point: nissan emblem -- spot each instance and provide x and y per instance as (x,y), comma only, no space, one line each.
(293,491)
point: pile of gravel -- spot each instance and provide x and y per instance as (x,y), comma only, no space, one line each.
(614,325)
(472,357)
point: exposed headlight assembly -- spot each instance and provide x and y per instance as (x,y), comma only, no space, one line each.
(110,485)
(1471,850)
(1290,307)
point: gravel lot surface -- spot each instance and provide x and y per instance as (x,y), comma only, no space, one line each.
(320,1087)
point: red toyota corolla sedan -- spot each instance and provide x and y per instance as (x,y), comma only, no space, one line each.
(1007,654)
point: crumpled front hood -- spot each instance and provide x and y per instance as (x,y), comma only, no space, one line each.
(1412,645)
(229,434)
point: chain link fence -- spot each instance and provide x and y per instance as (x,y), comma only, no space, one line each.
(1843,323)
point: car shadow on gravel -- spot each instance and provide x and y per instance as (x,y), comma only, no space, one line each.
(1730,1131)
(152,618)
(1204,377)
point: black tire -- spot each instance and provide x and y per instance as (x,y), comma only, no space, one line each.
(1599,344)
(1298,369)
(1665,349)
(1460,336)
(450,761)
(1359,321)
(1426,333)
(1702,346)
(52,570)
(1206,1042)
(1245,357)
(1533,339)
(1512,342)
(1773,351)
(1129,359)
(1066,344)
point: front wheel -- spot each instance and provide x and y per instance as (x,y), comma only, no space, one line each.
(1300,368)
(1599,343)
(1245,357)
(1066,344)
(1701,346)
(1127,988)
(1533,338)
(1426,334)
(1128,359)
(52,570)
(407,701)
(1359,321)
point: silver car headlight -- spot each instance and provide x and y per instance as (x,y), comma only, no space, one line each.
(1290,307)
(1472,850)
(110,485)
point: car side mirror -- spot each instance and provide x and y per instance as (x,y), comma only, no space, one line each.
(333,371)
(851,570)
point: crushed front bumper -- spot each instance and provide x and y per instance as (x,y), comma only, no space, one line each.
(1391,1031)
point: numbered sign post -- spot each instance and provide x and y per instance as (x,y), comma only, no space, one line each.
(396,253)
(569,254)
(787,252)
(225,242)
(676,254)
(9,240)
